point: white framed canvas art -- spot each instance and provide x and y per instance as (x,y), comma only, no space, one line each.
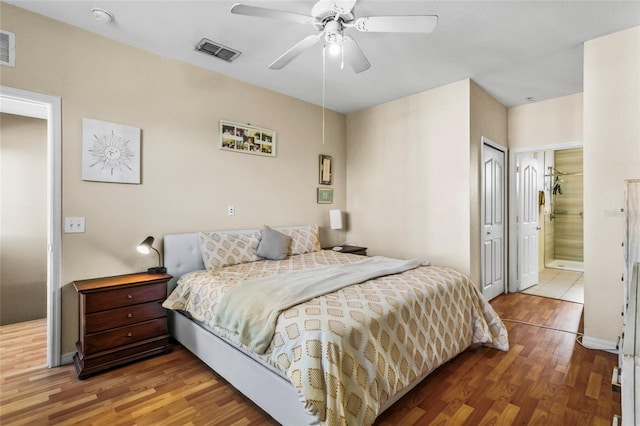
(110,152)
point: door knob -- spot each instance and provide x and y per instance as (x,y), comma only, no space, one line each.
(538,228)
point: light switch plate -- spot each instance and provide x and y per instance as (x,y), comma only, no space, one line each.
(73,225)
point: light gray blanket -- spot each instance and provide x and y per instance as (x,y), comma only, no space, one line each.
(251,309)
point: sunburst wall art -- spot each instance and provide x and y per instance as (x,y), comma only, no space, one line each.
(110,152)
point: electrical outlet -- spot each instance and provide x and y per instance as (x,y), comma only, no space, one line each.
(73,225)
(231,211)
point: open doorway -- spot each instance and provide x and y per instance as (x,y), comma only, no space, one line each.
(23,218)
(546,219)
(30,104)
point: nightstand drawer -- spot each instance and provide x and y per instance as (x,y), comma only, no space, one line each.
(124,335)
(95,302)
(128,315)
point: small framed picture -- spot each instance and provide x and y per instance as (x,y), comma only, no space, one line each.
(325,195)
(325,170)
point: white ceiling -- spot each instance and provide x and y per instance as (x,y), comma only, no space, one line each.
(513,49)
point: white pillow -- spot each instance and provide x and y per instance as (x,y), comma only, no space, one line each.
(304,239)
(228,248)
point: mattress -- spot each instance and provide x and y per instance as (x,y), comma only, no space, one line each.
(351,351)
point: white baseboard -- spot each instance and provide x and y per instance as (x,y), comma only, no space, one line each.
(67,358)
(600,344)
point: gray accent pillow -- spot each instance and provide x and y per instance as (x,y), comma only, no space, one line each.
(274,245)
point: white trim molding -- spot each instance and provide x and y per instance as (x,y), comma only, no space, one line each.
(600,344)
(51,106)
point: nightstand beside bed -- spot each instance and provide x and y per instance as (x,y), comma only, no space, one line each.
(121,320)
(348,249)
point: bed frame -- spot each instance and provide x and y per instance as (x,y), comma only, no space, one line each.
(270,391)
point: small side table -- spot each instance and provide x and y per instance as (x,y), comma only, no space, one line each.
(121,320)
(347,249)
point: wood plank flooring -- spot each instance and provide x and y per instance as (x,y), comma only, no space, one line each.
(545,379)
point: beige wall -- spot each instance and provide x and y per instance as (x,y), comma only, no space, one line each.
(611,155)
(408,176)
(488,119)
(549,122)
(187,182)
(23,227)
(412,174)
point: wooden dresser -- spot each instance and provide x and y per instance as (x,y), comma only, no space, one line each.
(121,320)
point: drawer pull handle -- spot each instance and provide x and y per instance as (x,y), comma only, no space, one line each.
(129,315)
(129,296)
(129,334)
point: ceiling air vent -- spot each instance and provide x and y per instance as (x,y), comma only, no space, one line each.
(7,48)
(218,50)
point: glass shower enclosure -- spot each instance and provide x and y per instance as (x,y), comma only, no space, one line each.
(563,214)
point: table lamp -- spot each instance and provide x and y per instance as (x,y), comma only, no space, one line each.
(145,247)
(335,220)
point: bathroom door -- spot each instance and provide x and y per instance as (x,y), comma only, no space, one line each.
(527,177)
(493,221)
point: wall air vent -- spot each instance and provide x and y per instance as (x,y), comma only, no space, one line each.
(218,50)
(7,48)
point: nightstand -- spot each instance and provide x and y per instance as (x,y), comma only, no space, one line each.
(121,320)
(362,251)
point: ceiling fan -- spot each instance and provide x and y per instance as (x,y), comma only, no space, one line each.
(332,19)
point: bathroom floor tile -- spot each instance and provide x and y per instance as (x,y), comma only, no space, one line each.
(559,284)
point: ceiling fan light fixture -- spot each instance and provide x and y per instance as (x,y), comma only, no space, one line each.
(333,37)
(334,49)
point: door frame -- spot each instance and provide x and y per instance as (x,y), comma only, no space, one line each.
(32,104)
(514,284)
(505,151)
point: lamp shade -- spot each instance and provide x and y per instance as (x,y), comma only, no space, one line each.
(145,246)
(335,219)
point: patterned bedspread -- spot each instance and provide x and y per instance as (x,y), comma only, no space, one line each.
(349,351)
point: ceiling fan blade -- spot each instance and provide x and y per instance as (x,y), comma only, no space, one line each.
(354,55)
(296,50)
(397,24)
(263,12)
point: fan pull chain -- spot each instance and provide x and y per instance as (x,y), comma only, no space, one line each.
(324,68)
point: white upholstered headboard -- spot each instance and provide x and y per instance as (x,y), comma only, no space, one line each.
(182,252)
(181,255)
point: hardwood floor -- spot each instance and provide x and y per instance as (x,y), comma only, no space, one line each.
(545,379)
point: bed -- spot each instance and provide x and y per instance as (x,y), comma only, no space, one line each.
(336,358)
